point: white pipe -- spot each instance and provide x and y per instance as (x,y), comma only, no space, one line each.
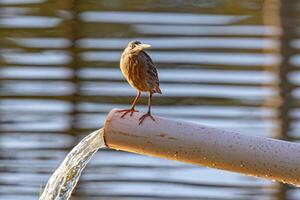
(201,145)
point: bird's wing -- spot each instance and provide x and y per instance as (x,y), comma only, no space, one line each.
(152,72)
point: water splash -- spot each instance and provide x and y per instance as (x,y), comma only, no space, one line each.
(64,179)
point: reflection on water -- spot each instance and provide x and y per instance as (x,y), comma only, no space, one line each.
(230,64)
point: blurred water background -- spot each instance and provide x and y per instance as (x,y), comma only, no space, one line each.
(225,63)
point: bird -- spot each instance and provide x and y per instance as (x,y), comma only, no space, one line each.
(140,72)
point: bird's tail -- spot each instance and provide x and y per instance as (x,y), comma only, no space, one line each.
(157,90)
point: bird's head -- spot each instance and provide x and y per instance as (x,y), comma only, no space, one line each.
(137,45)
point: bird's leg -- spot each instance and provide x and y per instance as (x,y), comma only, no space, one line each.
(131,110)
(148,114)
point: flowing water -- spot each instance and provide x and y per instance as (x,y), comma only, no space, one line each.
(63,181)
(224,63)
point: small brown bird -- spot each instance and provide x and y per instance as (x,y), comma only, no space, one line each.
(140,72)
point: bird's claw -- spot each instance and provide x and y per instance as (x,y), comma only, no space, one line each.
(126,111)
(145,116)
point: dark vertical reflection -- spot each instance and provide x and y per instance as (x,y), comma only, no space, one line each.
(279,14)
(72,27)
(286,52)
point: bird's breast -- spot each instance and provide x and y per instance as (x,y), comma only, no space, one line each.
(134,71)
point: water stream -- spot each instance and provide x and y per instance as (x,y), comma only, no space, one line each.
(64,179)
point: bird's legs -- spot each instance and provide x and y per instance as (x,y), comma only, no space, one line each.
(148,114)
(131,110)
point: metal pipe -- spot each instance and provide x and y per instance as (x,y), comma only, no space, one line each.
(202,145)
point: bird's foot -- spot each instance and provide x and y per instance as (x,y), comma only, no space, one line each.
(126,111)
(145,116)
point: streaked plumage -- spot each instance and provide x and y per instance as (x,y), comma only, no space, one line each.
(140,72)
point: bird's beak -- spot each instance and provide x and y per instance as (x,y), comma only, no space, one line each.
(144,46)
